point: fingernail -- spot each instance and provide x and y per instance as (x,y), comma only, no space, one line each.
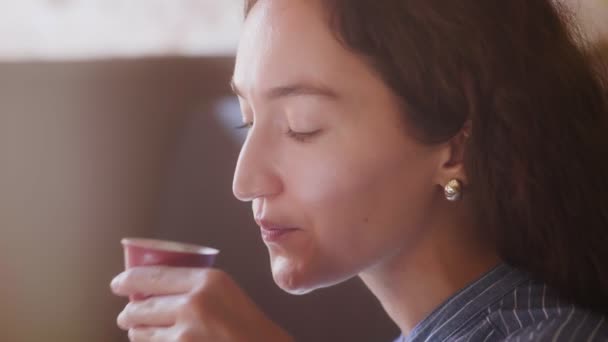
(115,283)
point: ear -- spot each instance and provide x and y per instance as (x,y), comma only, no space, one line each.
(451,165)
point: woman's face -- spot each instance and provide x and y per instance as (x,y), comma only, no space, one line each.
(336,183)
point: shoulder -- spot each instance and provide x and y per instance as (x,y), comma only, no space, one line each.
(573,325)
(535,313)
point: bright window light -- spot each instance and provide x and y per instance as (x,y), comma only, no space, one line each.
(79,29)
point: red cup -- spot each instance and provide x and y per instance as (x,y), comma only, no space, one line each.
(150,252)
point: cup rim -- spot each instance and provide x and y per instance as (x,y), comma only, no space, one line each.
(166,245)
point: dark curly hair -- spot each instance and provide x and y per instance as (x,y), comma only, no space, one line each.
(520,72)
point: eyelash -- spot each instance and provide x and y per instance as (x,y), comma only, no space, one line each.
(302,137)
(246,125)
(298,136)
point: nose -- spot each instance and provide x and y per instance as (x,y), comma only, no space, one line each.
(255,175)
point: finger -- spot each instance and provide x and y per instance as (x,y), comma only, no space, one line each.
(152,312)
(148,334)
(142,334)
(157,280)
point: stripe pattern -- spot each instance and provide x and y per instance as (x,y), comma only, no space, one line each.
(507,305)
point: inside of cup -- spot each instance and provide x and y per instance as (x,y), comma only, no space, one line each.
(169,246)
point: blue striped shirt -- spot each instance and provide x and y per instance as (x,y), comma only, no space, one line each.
(507,305)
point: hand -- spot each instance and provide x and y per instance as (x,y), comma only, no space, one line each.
(190,305)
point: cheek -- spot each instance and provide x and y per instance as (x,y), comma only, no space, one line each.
(324,184)
(337,196)
(362,201)
(318,185)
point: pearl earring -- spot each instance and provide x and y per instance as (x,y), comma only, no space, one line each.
(453,190)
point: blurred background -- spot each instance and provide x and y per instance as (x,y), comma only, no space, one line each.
(116,120)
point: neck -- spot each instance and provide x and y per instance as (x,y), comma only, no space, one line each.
(419,278)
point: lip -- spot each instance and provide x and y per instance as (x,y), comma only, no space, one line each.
(274,232)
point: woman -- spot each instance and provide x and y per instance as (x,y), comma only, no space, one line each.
(449,153)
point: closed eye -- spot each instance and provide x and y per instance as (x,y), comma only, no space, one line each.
(302,136)
(246,125)
(298,136)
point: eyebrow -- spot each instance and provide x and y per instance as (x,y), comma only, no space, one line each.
(295,89)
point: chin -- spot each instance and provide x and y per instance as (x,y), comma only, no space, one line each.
(290,276)
(300,278)
(288,285)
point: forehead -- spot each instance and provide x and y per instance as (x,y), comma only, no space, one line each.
(286,41)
